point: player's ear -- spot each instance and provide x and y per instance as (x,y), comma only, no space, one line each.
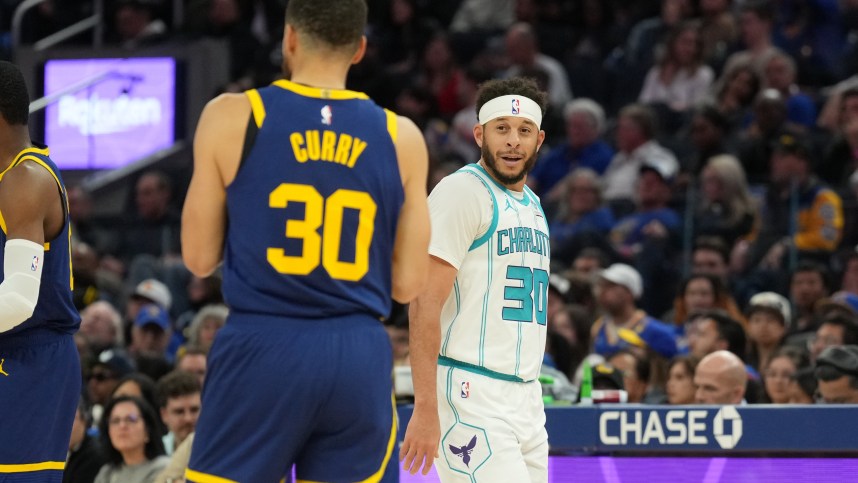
(361,50)
(290,39)
(478,134)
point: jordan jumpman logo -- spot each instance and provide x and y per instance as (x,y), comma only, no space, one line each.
(1,368)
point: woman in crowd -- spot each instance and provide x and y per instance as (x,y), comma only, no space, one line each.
(699,293)
(208,321)
(779,374)
(680,380)
(132,442)
(735,94)
(725,208)
(580,212)
(680,79)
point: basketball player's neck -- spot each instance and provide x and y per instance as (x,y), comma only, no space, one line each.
(319,71)
(13,140)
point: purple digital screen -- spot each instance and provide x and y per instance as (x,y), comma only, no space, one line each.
(121,110)
(597,469)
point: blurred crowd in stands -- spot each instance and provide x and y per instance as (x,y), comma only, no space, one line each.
(700,177)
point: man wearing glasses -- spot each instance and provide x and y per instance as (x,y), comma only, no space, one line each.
(837,374)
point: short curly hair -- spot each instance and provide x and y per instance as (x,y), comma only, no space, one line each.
(522,86)
(15,101)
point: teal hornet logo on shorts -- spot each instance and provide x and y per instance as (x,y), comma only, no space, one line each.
(464,452)
(1,368)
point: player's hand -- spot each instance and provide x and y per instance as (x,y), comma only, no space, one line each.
(420,447)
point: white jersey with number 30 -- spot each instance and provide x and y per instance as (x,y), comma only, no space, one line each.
(494,320)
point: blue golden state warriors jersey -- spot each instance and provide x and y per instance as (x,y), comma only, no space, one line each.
(55,308)
(314,207)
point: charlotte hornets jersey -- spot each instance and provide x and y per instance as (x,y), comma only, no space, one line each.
(494,321)
(55,307)
(314,206)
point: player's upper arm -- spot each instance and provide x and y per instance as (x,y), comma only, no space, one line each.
(410,253)
(217,150)
(28,193)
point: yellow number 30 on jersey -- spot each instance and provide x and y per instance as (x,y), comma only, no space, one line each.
(327,213)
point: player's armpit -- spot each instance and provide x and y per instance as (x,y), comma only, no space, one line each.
(411,249)
(217,148)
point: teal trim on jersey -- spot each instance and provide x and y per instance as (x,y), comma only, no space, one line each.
(458,307)
(524,201)
(465,366)
(532,195)
(491,230)
(483,322)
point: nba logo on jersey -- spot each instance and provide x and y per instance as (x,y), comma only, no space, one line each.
(35,264)
(466,389)
(327,115)
(516,107)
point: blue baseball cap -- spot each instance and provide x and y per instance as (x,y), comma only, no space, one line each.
(152,314)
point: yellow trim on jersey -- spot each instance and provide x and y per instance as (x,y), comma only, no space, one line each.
(319,93)
(199,477)
(256,106)
(392,125)
(44,466)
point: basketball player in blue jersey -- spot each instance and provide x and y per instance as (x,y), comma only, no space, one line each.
(39,365)
(477,332)
(315,199)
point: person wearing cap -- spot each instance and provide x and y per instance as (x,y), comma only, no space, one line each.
(151,332)
(622,324)
(769,319)
(645,235)
(818,222)
(103,377)
(837,374)
(483,310)
(636,142)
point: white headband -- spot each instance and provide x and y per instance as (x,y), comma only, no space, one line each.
(511,105)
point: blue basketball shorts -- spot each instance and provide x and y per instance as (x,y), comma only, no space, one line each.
(313,393)
(40,383)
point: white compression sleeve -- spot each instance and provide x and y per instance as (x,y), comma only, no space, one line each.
(22,276)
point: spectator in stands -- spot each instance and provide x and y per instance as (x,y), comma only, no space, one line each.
(835,330)
(726,209)
(803,386)
(636,143)
(91,282)
(617,289)
(179,402)
(711,256)
(85,456)
(718,30)
(701,292)
(179,461)
(151,332)
(716,331)
(585,123)
(734,94)
(137,385)
(779,373)
(849,277)
(581,214)
(149,291)
(137,24)
(769,319)
(223,20)
(680,380)
(101,324)
(635,368)
(720,378)
(680,79)
(208,321)
(103,377)
(837,374)
(590,261)
(132,442)
(756,19)
(84,226)
(440,74)
(483,16)
(705,138)
(819,220)
(404,35)
(193,360)
(779,73)
(809,285)
(841,154)
(523,51)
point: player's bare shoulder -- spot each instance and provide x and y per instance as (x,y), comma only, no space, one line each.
(411,151)
(220,134)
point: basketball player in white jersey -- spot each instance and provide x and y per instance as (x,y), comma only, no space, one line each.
(477,332)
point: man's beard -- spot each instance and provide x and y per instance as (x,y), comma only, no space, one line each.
(491,164)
